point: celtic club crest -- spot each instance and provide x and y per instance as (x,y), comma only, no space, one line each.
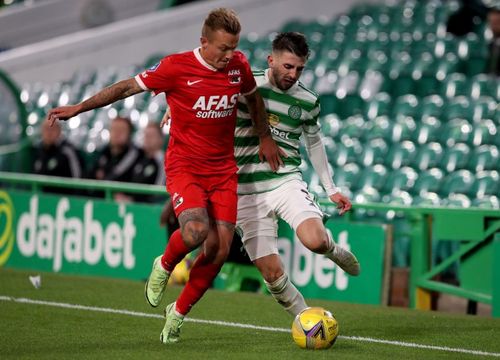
(294,112)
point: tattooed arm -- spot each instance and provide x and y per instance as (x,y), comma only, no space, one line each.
(106,96)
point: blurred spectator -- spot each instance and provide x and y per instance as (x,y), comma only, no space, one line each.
(56,157)
(494,24)
(463,21)
(117,160)
(149,167)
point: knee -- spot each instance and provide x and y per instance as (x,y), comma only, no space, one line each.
(318,242)
(217,253)
(194,233)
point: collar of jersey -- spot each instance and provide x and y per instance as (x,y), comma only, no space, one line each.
(197,54)
(277,89)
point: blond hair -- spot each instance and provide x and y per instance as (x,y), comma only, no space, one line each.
(221,19)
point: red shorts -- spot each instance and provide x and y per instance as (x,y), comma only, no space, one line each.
(216,193)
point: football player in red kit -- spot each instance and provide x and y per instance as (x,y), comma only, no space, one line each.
(202,87)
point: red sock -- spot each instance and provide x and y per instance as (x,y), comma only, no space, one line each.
(201,276)
(174,252)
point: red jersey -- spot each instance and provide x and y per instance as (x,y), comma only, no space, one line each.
(203,103)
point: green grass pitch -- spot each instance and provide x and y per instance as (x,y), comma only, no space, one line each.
(39,324)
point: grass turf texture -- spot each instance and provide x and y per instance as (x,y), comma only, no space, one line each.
(31,331)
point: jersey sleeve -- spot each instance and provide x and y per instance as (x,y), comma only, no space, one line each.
(249,84)
(158,78)
(311,125)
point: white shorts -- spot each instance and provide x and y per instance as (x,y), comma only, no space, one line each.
(258,215)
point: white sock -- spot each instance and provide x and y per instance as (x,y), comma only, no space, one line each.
(331,246)
(287,295)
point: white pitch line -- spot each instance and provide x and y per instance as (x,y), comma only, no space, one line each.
(240,325)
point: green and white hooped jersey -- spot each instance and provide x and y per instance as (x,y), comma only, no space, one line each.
(290,113)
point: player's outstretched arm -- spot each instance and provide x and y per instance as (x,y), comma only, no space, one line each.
(106,96)
(268,149)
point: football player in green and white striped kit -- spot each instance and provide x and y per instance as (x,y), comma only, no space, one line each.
(264,195)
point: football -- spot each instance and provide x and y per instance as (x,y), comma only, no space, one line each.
(315,328)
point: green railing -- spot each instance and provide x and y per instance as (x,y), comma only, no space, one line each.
(473,229)
(36,182)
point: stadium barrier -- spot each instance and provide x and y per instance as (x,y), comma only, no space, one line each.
(84,235)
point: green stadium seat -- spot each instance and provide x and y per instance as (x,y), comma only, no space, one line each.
(407,105)
(428,181)
(379,105)
(457,200)
(487,202)
(404,128)
(346,151)
(459,107)
(426,199)
(366,195)
(373,177)
(400,179)
(352,127)
(374,152)
(484,132)
(459,181)
(483,85)
(380,127)
(431,105)
(400,154)
(428,156)
(428,130)
(347,176)
(454,85)
(485,107)
(457,131)
(484,157)
(485,183)
(330,125)
(456,157)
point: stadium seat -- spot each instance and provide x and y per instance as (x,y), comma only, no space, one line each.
(400,179)
(407,105)
(400,154)
(484,132)
(345,152)
(485,183)
(373,177)
(456,157)
(346,176)
(459,182)
(428,130)
(374,152)
(483,85)
(428,156)
(380,127)
(484,157)
(404,128)
(457,131)
(454,85)
(330,125)
(485,107)
(487,202)
(352,127)
(428,181)
(426,199)
(431,105)
(459,107)
(379,105)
